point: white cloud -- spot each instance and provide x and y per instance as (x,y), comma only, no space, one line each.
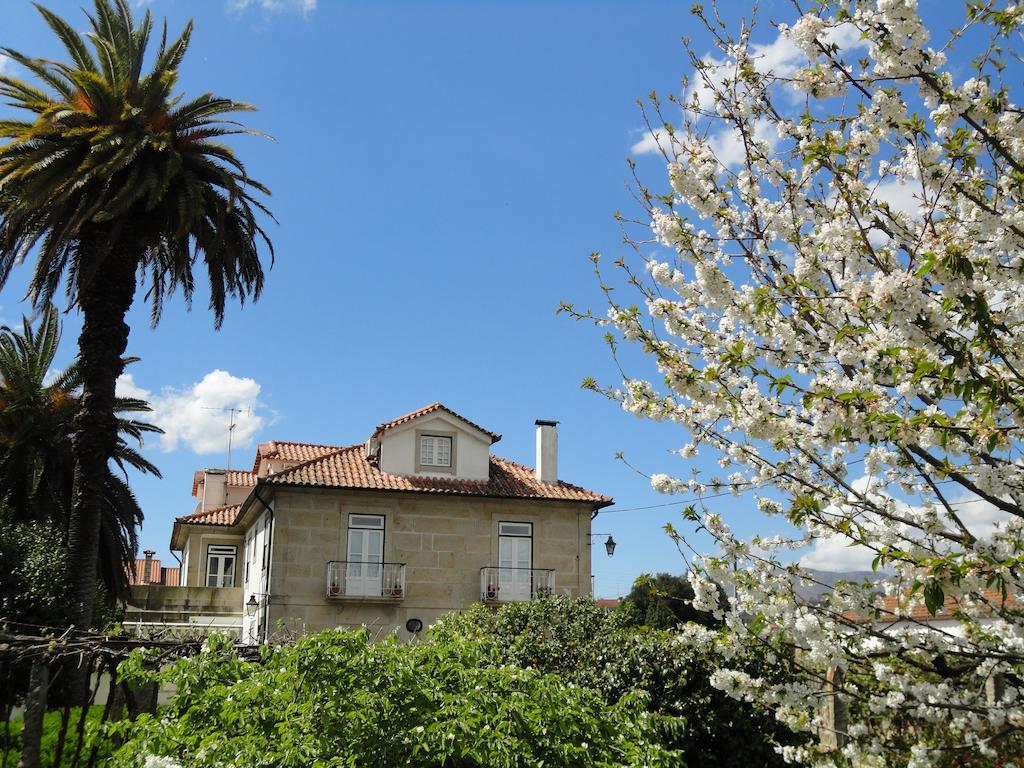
(979,516)
(728,145)
(197,416)
(834,553)
(305,7)
(905,198)
(652,142)
(780,57)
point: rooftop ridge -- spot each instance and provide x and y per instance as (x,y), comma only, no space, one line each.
(436,406)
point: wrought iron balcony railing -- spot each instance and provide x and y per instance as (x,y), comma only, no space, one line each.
(352,579)
(510,585)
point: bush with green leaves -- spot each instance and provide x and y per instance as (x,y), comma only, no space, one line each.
(604,650)
(663,601)
(73,750)
(335,699)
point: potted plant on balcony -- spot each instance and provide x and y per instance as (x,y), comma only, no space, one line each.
(492,592)
(334,589)
(396,589)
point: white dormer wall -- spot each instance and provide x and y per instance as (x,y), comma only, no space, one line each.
(471,448)
(213,490)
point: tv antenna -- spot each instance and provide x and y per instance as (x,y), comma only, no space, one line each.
(231,411)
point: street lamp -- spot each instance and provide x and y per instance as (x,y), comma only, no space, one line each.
(609,545)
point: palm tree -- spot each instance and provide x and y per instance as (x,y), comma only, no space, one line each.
(38,406)
(115,176)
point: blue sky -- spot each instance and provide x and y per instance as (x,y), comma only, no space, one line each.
(440,172)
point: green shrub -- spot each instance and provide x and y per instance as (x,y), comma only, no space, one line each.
(605,651)
(93,735)
(334,699)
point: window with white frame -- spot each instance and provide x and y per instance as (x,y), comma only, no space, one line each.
(365,571)
(220,566)
(435,451)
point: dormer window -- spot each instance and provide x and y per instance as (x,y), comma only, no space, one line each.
(435,452)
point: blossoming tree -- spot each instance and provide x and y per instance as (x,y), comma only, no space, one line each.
(836,312)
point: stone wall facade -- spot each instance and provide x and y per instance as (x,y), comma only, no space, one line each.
(444,541)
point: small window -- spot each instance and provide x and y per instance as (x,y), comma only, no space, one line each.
(366,521)
(515,529)
(435,451)
(220,566)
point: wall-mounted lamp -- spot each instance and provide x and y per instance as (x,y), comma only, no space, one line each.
(252,605)
(609,545)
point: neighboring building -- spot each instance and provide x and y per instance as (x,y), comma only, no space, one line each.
(149,571)
(417,521)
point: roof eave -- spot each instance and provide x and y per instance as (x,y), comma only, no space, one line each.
(280,483)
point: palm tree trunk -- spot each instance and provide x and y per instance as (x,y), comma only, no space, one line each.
(104,301)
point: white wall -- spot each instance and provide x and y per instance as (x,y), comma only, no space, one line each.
(184,582)
(472,448)
(257,539)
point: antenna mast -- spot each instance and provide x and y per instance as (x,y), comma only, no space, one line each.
(231,425)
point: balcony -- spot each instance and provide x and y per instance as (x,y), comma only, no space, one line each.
(512,585)
(348,580)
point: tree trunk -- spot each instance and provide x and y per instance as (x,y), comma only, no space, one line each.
(104,301)
(35,708)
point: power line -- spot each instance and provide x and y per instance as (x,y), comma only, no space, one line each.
(674,503)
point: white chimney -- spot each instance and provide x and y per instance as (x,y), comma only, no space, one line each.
(215,489)
(547,451)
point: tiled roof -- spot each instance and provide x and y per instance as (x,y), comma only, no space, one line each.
(289,451)
(212,516)
(348,468)
(139,575)
(892,611)
(381,428)
(234,477)
(240,478)
(168,577)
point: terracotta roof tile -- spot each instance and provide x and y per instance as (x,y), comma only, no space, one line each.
(239,478)
(290,451)
(381,428)
(212,516)
(138,575)
(349,468)
(169,577)
(893,611)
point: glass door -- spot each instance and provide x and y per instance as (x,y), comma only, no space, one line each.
(365,570)
(515,561)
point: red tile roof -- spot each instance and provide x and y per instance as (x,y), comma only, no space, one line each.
(168,577)
(213,516)
(239,478)
(139,575)
(349,468)
(892,611)
(289,451)
(381,428)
